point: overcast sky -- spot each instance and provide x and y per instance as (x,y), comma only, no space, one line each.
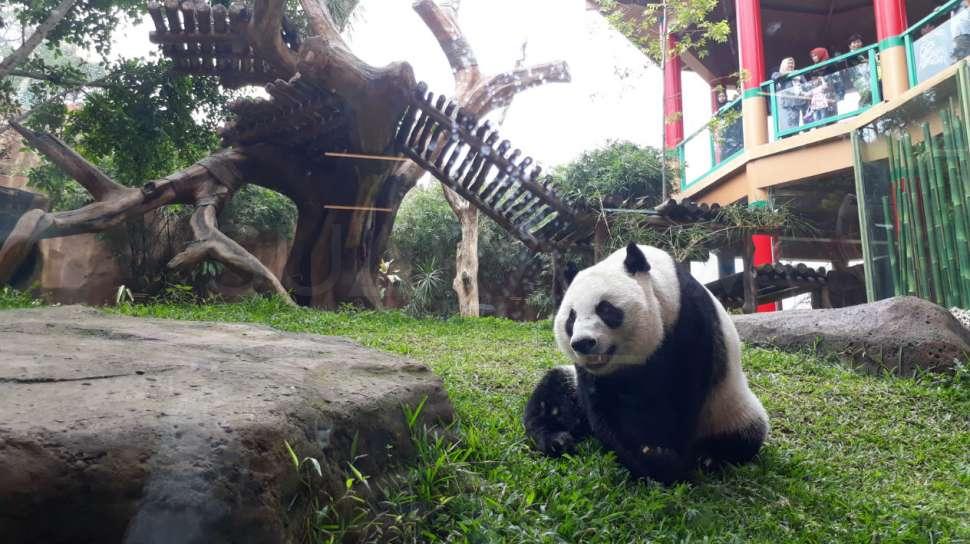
(615,91)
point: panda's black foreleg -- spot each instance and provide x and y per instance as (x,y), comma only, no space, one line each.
(554,418)
(663,464)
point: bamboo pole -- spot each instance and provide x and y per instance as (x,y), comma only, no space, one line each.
(929,213)
(916,219)
(900,215)
(963,154)
(946,221)
(891,244)
(955,190)
(938,235)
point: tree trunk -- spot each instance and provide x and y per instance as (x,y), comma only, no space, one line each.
(19,55)
(465,283)
(478,96)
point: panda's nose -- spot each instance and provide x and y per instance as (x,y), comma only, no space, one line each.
(584,345)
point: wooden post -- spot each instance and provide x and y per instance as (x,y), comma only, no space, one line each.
(600,239)
(748,280)
(557,290)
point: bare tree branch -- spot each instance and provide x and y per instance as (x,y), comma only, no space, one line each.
(56,80)
(451,39)
(212,243)
(478,97)
(207,184)
(18,56)
(95,181)
(499,90)
(265,32)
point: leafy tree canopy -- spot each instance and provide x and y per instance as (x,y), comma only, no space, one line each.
(616,173)
(693,22)
(89,24)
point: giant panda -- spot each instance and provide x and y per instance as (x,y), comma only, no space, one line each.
(656,373)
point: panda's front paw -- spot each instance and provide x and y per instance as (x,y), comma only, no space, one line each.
(556,444)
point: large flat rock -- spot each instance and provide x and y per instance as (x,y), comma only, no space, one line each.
(118,429)
(899,334)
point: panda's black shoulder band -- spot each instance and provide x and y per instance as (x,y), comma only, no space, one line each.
(570,272)
(635,260)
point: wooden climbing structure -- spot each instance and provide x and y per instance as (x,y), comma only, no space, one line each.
(470,159)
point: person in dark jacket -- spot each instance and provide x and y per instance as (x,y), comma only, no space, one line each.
(857,72)
(791,100)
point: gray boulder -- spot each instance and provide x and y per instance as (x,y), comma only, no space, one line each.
(899,334)
(117,429)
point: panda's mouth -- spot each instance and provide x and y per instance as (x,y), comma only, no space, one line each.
(600,360)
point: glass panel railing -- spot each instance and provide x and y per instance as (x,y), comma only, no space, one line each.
(696,157)
(912,171)
(824,93)
(727,131)
(719,140)
(938,41)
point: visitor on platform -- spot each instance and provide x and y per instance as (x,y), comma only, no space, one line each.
(729,135)
(932,51)
(857,72)
(791,99)
(821,89)
(855,42)
(961,31)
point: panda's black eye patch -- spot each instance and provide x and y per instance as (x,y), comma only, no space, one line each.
(569,323)
(610,314)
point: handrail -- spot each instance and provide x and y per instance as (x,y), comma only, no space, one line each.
(909,37)
(769,85)
(825,63)
(939,10)
(681,147)
(714,115)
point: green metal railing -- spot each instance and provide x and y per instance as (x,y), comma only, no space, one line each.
(718,141)
(703,151)
(931,53)
(795,92)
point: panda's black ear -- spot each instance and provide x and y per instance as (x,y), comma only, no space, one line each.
(570,272)
(635,261)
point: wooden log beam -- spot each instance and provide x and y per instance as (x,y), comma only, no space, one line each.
(96,182)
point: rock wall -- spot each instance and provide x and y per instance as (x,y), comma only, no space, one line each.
(900,335)
(15,160)
(121,429)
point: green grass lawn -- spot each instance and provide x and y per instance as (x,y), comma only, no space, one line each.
(850,458)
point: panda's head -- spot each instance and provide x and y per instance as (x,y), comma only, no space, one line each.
(615,313)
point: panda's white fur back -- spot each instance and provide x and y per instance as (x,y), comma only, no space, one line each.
(731,405)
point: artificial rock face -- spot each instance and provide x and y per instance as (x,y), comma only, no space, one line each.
(899,335)
(148,430)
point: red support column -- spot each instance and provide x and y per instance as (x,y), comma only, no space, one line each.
(751,61)
(764,254)
(751,48)
(891,18)
(751,53)
(673,98)
(891,22)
